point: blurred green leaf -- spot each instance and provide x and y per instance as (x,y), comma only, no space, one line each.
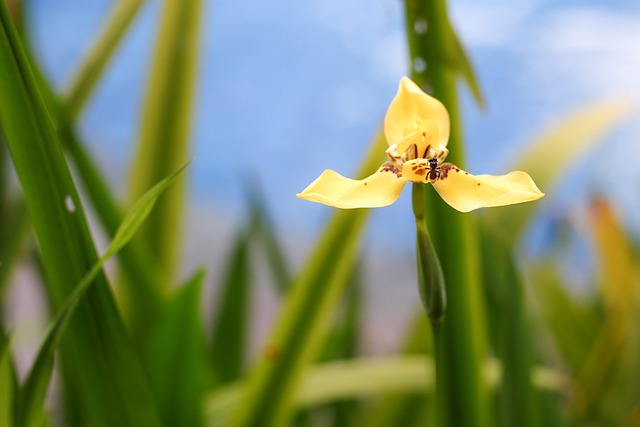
(301,326)
(164,132)
(13,227)
(458,57)
(342,342)
(363,377)
(143,280)
(401,409)
(270,240)
(229,342)
(553,152)
(517,399)
(38,378)
(570,320)
(94,64)
(597,397)
(176,360)
(96,354)
(7,384)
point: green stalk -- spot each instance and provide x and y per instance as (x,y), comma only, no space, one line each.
(433,292)
(165,128)
(433,50)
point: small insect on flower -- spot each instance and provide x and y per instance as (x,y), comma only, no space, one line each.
(434,170)
(416,127)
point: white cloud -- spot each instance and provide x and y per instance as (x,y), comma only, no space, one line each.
(590,50)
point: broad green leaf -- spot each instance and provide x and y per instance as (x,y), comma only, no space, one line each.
(38,379)
(301,327)
(177,358)
(165,123)
(94,64)
(554,152)
(7,384)
(364,377)
(230,330)
(96,354)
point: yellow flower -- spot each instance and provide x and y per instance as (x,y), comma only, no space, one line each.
(417,130)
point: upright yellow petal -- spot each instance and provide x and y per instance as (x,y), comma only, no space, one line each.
(332,189)
(411,106)
(466,192)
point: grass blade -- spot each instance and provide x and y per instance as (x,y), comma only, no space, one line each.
(7,384)
(94,64)
(143,281)
(363,377)
(96,354)
(38,378)
(164,132)
(230,327)
(553,152)
(507,314)
(300,329)
(272,247)
(13,227)
(176,361)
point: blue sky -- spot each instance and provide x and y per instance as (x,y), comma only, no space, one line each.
(287,89)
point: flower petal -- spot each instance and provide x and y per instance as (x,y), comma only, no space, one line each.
(411,106)
(332,189)
(466,192)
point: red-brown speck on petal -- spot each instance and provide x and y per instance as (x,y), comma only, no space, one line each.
(478,184)
(365,183)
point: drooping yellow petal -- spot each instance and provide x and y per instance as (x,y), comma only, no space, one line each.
(332,189)
(466,192)
(411,107)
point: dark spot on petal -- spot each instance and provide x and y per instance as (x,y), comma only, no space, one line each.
(365,184)
(478,184)
(391,167)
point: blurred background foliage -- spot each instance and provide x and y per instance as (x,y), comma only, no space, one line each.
(545,294)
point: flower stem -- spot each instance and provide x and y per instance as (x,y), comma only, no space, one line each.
(430,277)
(433,293)
(462,340)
